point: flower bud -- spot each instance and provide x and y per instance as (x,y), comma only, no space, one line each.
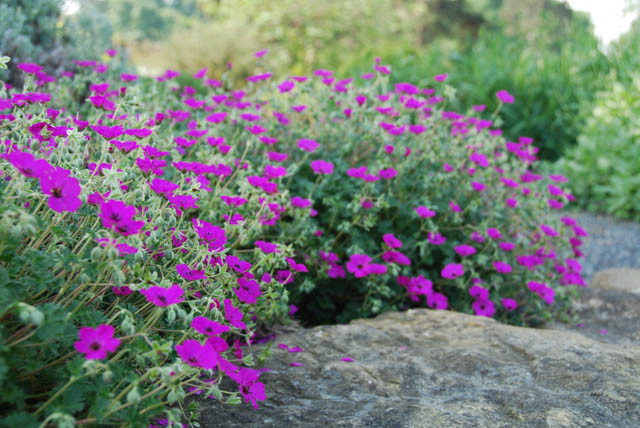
(96,254)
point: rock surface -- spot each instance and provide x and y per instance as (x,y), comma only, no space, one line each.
(623,279)
(424,368)
(607,315)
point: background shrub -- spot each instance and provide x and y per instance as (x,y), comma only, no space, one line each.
(604,166)
(36,31)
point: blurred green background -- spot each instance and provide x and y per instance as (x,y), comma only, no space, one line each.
(578,100)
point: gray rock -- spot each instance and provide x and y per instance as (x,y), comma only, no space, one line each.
(607,315)
(623,279)
(424,368)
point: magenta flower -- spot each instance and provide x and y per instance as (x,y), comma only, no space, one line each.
(505,96)
(96,342)
(261,53)
(374,269)
(465,250)
(162,297)
(163,187)
(494,233)
(108,132)
(308,145)
(119,217)
(547,294)
(190,274)
(454,207)
(266,247)
(509,304)
(250,388)
(299,202)
(233,315)
(502,267)
(28,165)
(286,86)
(347,359)
(436,238)
(478,292)
(201,73)
(548,230)
(217,117)
(357,265)
(387,173)
(396,257)
(506,246)
(213,236)
(437,301)
(29,68)
(424,212)
(248,290)
(322,167)
(391,240)
(440,77)
(63,190)
(452,271)
(207,327)
(477,186)
(483,308)
(197,355)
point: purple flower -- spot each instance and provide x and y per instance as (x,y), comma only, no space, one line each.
(505,96)
(502,267)
(266,247)
(494,233)
(322,167)
(214,236)
(465,250)
(108,132)
(163,297)
(308,145)
(387,173)
(250,388)
(119,217)
(63,190)
(483,307)
(96,342)
(207,327)
(248,290)
(436,238)
(391,240)
(440,77)
(190,274)
(509,304)
(437,301)
(196,355)
(478,292)
(233,315)
(396,257)
(299,202)
(424,212)
(357,265)
(286,86)
(506,246)
(452,271)
(29,67)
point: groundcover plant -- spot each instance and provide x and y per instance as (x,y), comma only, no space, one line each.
(149,231)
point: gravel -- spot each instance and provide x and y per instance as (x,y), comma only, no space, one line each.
(612,243)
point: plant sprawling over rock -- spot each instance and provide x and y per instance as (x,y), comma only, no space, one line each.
(148,230)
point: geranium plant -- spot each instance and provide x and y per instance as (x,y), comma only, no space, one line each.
(149,230)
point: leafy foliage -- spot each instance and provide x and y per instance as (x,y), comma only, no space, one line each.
(604,166)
